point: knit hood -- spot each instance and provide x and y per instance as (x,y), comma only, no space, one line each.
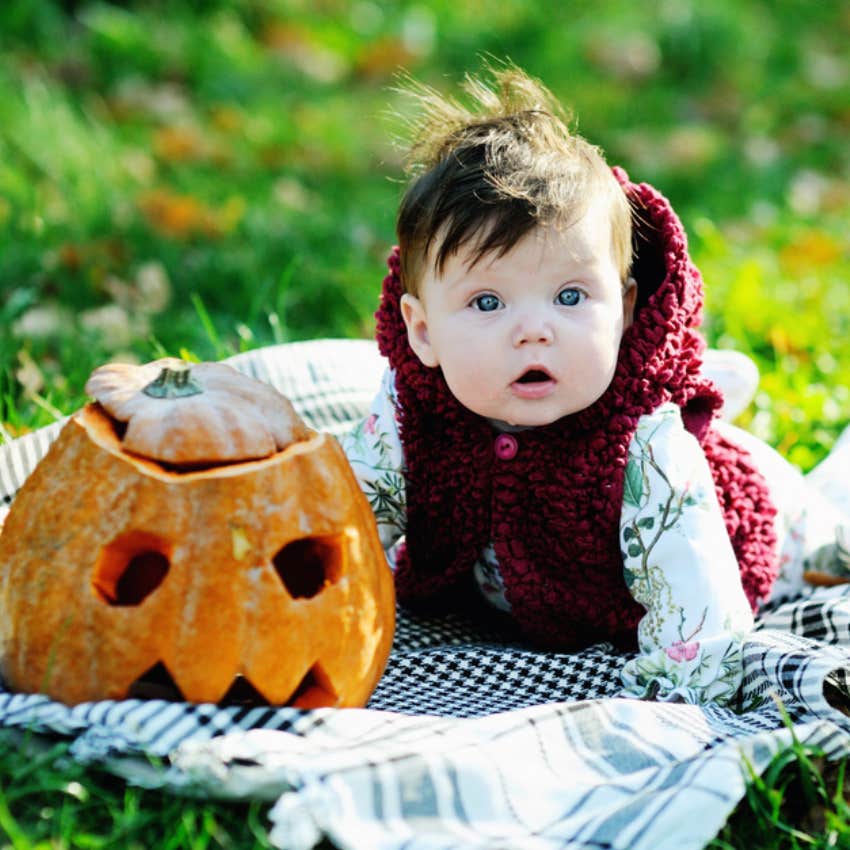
(553,516)
(660,354)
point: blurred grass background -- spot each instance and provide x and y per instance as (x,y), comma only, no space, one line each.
(207,177)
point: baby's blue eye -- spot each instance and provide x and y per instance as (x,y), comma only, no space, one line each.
(487,303)
(569,297)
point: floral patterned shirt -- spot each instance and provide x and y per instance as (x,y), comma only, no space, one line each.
(678,560)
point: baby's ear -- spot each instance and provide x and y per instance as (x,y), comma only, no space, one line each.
(630,291)
(413,313)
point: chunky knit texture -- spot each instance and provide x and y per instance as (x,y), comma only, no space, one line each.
(552,511)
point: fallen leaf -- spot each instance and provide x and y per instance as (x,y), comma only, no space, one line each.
(813,249)
(178,216)
(382,58)
(179,144)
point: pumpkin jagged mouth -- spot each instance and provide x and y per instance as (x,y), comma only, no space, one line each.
(314,690)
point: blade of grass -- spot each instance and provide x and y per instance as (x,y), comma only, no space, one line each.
(46,406)
(9,826)
(282,295)
(219,348)
(814,789)
(278,333)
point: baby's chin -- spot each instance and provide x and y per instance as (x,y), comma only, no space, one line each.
(523,423)
(512,416)
(532,419)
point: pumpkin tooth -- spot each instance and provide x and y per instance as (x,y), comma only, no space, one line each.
(315,690)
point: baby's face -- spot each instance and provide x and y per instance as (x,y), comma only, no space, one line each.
(532,336)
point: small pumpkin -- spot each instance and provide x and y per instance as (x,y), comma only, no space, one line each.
(209,413)
(206,537)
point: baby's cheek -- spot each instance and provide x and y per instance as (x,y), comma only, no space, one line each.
(466,387)
(473,389)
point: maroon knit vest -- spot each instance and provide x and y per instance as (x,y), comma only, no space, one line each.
(552,511)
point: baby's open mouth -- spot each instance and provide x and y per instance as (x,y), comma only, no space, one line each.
(533,376)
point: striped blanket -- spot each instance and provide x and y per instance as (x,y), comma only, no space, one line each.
(471,739)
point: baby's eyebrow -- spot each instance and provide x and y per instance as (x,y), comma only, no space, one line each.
(462,281)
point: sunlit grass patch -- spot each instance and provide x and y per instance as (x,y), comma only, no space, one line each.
(49,800)
(777,293)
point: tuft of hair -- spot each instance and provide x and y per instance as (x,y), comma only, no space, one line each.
(485,174)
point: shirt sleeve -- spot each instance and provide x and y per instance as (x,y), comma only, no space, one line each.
(373,448)
(680,566)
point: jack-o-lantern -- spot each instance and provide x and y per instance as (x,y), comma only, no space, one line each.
(187,526)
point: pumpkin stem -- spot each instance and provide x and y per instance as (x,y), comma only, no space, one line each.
(173,382)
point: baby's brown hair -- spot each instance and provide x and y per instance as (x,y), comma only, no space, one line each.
(484,177)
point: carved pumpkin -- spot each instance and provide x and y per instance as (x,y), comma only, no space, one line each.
(120,563)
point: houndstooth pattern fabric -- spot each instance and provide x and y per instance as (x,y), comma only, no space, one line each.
(471,739)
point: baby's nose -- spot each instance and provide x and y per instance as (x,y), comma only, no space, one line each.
(533,328)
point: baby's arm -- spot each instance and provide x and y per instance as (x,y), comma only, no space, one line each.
(374,451)
(680,565)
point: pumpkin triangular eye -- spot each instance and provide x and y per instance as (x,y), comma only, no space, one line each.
(306,566)
(130,568)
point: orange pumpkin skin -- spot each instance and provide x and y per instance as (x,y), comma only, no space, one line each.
(222,546)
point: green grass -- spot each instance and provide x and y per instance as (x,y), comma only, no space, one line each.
(242,155)
(777,814)
(203,178)
(798,801)
(49,801)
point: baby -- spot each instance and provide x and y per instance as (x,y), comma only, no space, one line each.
(544,435)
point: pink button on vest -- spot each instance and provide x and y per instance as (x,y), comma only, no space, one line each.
(505,446)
